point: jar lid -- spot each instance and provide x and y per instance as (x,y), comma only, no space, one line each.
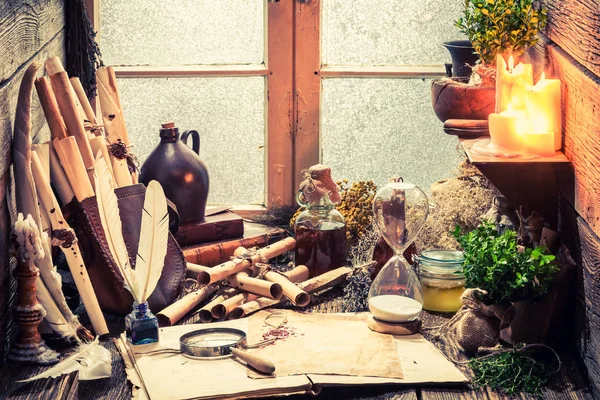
(447,264)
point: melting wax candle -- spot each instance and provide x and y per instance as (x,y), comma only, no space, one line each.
(394,308)
(506,129)
(543,106)
(511,83)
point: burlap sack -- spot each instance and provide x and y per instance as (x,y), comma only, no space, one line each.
(478,324)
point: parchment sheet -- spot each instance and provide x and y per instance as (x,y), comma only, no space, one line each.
(177,377)
(329,344)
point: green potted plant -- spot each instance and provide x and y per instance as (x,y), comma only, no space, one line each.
(511,275)
(494,27)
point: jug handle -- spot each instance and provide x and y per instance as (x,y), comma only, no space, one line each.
(195,139)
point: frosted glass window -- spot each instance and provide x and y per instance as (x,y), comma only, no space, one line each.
(180,32)
(378,32)
(228,113)
(383,128)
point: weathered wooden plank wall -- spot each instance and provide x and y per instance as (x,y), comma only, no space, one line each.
(30,30)
(571,52)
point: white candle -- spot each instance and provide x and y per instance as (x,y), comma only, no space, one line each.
(543,107)
(539,144)
(506,129)
(511,84)
(394,308)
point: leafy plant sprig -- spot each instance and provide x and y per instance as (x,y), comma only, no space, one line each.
(498,26)
(511,372)
(494,263)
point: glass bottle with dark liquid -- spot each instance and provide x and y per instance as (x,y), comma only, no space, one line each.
(320,237)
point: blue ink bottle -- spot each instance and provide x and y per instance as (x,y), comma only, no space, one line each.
(141,326)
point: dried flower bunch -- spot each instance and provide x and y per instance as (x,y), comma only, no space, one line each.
(356,207)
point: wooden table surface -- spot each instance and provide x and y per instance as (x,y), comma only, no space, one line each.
(568,384)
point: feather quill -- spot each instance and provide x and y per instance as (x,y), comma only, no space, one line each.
(108,208)
(152,248)
(92,360)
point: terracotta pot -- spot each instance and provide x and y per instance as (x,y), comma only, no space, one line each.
(463,57)
(452,99)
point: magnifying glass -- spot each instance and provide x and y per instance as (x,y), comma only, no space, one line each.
(215,343)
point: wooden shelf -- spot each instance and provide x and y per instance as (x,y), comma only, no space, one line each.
(478,159)
(531,183)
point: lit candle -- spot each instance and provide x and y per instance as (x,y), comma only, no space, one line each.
(511,83)
(506,129)
(539,137)
(543,107)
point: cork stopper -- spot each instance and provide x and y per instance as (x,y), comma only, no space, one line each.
(318,182)
(169,131)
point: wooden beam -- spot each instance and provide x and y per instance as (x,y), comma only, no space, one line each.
(383,71)
(590,258)
(189,70)
(23,30)
(307,63)
(280,121)
(92,8)
(581,128)
(575,26)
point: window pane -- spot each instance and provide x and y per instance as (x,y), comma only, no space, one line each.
(383,128)
(227,112)
(377,32)
(152,32)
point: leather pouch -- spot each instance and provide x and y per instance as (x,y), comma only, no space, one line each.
(106,279)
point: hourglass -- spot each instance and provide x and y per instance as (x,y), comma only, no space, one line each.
(396,297)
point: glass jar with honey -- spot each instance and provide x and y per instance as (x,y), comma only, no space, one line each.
(442,279)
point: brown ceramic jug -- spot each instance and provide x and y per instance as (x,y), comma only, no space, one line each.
(180,171)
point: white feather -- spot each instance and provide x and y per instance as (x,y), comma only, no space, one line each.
(154,235)
(108,208)
(92,360)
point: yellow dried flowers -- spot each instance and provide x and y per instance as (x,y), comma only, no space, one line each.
(356,207)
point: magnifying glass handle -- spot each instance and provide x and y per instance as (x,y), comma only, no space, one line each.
(258,363)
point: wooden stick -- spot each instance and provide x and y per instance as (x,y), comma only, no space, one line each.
(224,308)
(69,247)
(296,295)
(121,171)
(67,103)
(242,281)
(205,312)
(50,107)
(110,101)
(321,282)
(298,274)
(239,264)
(59,178)
(70,158)
(173,313)
(194,269)
(83,100)
(98,144)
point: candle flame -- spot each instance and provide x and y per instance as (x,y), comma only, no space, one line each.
(511,63)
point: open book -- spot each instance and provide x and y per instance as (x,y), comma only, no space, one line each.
(177,377)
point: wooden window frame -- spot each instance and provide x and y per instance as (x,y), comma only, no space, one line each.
(294,76)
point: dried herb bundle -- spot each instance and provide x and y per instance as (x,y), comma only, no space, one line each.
(511,372)
(460,200)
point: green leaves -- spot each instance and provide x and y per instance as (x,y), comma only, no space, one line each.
(498,26)
(494,262)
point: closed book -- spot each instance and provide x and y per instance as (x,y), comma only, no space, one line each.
(221,226)
(211,254)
